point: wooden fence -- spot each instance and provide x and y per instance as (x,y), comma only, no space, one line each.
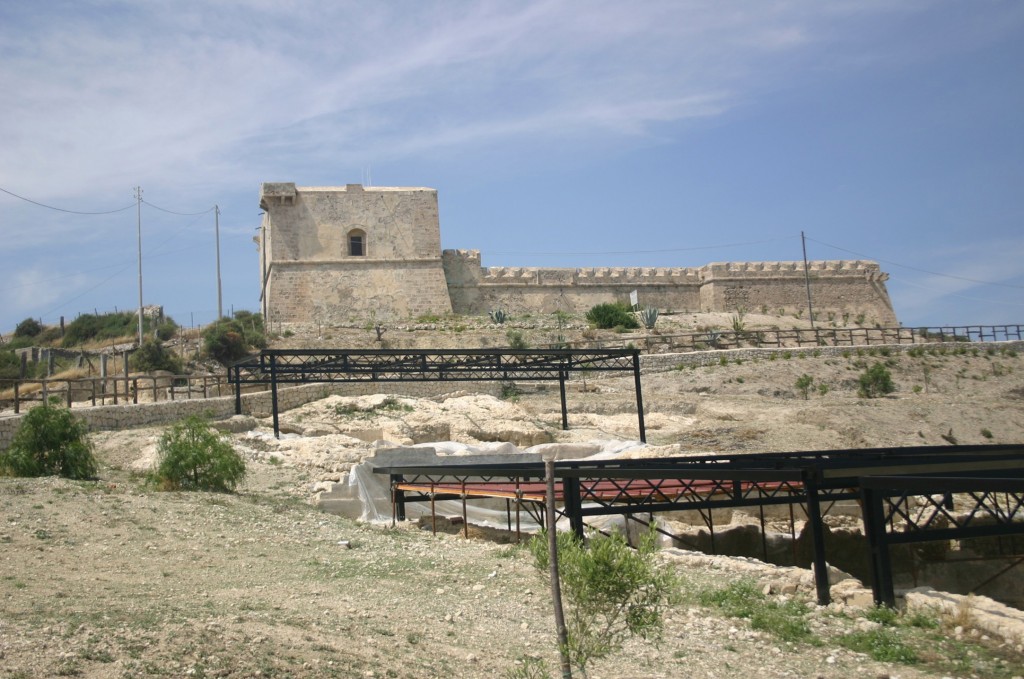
(115,390)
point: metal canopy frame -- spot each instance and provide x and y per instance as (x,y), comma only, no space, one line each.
(307,366)
(881,479)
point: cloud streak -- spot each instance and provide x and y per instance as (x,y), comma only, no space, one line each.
(198,102)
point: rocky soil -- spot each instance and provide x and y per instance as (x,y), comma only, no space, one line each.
(115,579)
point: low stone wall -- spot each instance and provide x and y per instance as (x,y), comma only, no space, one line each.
(654,363)
(257,404)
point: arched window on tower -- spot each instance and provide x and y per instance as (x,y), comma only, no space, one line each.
(356,243)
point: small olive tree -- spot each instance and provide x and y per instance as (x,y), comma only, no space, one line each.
(875,381)
(50,441)
(803,383)
(194,457)
(612,591)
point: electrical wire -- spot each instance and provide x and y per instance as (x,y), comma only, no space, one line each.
(956,294)
(86,292)
(180,214)
(912,268)
(648,252)
(60,209)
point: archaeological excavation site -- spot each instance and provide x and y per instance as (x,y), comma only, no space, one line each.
(828,493)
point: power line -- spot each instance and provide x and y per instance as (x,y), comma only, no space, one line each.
(180,214)
(648,252)
(913,268)
(60,209)
(83,294)
(956,294)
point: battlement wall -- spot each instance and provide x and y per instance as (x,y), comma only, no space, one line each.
(839,286)
(343,254)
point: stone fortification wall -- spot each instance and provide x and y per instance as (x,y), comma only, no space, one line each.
(257,404)
(350,254)
(310,271)
(326,293)
(837,287)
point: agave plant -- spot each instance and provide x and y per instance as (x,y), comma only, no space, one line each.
(648,316)
(499,316)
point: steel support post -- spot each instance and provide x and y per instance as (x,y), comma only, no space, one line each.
(237,380)
(572,505)
(399,497)
(818,538)
(273,395)
(561,391)
(639,395)
(878,544)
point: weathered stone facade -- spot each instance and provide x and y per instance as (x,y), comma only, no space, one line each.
(310,272)
(313,272)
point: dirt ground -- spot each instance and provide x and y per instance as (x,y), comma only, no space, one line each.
(114,579)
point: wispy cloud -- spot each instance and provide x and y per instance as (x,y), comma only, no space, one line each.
(198,101)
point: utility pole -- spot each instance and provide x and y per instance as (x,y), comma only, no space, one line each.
(138,212)
(216,230)
(807,279)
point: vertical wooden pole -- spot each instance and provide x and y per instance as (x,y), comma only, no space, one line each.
(556,585)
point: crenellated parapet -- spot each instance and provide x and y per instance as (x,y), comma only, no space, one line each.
(853,287)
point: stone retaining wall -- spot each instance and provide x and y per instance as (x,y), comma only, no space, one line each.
(653,363)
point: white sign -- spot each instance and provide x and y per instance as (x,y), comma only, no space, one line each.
(633,299)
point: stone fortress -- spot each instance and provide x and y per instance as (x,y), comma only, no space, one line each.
(348,254)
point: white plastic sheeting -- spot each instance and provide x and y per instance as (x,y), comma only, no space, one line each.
(374,493)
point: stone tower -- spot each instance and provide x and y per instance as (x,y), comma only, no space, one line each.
(349,254)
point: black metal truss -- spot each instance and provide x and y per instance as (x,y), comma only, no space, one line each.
(307,366)
(910,509)
(809,479)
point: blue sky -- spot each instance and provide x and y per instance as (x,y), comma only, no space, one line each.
(557,134)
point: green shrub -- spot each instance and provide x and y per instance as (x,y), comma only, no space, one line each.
(166,329)
(612,314)
(516,340)
(29,327)
(803,383)
(230,339)
(612,592)
(153,356)
(875,381)
(10,365)
(194,457)
(50,441)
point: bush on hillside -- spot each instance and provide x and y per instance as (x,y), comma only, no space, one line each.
(90,327)
(50,441)
(875,381)
(194,457)
(29,327)
(612,315)
(230,339)
(612,591)
(153,356)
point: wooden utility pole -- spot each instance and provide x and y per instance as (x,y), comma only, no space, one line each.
(138,218)
(807,279)
(216,231)
(556,586)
